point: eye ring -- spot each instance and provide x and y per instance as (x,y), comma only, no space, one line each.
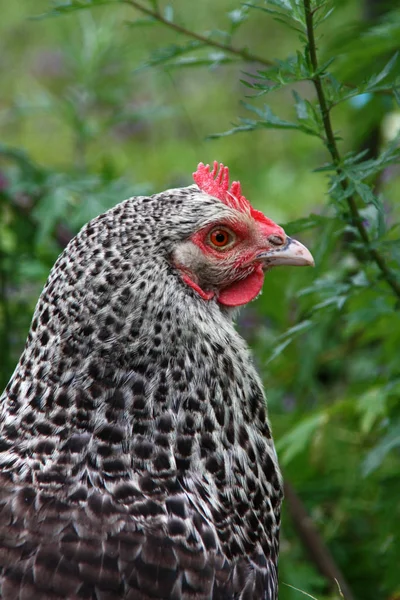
(221,238)
(276,240)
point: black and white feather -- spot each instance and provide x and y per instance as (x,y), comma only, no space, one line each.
(136,459)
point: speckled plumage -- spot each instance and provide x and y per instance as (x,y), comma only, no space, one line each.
(136,457)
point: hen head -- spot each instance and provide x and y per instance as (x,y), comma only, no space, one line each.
(228,255)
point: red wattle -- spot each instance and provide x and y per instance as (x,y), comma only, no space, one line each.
(241,292)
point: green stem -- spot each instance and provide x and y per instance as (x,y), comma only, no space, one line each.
(356,219)
(242,52)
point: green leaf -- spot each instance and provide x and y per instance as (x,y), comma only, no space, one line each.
(301,106)
(166,54)
(306,223)
(300,436)
(365,193)
(377,455)
(307,114)
(298,328)
(336,301)
(328,284)
(213,59)
(375,79)
(250,126)
(237,17)
(277,351)
(371,405)
(396,93)
(169,13)
(51,209)
(268,120)
(67,7)
(29,168)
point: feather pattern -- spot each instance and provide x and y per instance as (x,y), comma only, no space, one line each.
(136,458)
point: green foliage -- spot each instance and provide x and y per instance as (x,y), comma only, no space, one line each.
(119,115)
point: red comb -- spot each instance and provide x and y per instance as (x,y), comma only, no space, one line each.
(216,183)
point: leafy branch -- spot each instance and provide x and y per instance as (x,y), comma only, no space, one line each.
(356,219)
(203,39)
(317,77)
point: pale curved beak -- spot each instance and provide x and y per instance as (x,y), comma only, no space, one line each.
(292,253)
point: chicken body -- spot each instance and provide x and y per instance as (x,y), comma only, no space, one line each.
(136,458)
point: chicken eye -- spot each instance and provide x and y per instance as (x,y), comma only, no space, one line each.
(221,238)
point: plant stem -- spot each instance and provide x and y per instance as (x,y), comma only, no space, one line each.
(376,256)
(313,541)
(242,52)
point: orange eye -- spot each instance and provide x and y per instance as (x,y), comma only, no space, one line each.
(221,238)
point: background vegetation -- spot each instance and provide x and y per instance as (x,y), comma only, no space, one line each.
(105,99)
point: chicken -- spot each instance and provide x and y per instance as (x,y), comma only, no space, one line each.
(136,457)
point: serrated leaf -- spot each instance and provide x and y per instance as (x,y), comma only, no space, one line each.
(271,121)
(354,158)
(166,54)
(366,193)
(321,18)
(327,168)
(286,22)
(375,79)
(300,105)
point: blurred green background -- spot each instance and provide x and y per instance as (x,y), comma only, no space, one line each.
(86,121)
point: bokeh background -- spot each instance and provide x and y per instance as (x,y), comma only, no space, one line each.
(93,110)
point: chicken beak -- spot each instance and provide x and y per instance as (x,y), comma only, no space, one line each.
(291,253)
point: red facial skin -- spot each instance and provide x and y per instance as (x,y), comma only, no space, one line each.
(250,239)
(251,234)
(197,288)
